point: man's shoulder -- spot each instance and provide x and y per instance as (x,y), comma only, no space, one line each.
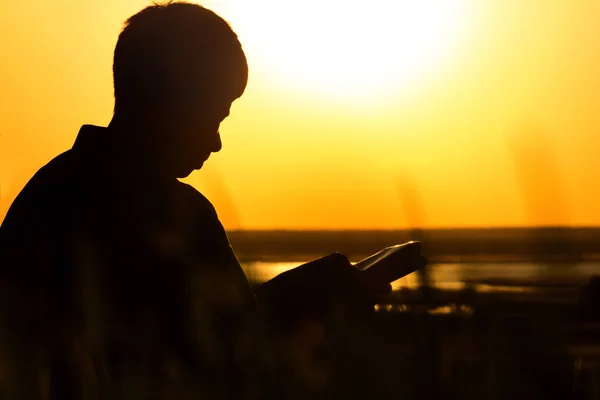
(42,203)
(57,168)
(49,180)
(194,198)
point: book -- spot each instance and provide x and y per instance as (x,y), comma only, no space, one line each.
(392,263)
(334,275)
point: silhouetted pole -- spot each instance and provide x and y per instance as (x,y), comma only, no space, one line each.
(427,352)
(539,176)
(414,217)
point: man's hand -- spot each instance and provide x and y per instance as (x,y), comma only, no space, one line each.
(307,306)
(325,284)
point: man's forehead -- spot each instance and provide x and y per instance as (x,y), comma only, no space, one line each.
(210,94)
(228,83)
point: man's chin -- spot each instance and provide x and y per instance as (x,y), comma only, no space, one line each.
(197,167)
(184,173)
(185,169)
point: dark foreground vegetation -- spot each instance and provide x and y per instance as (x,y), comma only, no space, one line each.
(538,341)
(432,344)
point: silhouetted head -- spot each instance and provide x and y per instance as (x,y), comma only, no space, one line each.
(177,69)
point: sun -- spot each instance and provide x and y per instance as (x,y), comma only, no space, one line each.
(345,48)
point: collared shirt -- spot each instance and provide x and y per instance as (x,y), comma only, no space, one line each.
(135,264)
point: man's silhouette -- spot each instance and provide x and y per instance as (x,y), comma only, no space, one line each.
(111,267)
(110,213)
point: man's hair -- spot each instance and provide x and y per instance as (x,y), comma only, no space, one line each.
(175,52)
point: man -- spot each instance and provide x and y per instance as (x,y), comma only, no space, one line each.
(112,267)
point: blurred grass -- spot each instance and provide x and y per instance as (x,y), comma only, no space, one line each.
(476,345)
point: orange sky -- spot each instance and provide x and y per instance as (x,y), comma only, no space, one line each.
(501,129)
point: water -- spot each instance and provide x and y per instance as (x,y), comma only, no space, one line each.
(496,277)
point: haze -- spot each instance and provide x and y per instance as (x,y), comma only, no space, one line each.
(489,117)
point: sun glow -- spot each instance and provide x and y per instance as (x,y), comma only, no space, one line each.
(346,49)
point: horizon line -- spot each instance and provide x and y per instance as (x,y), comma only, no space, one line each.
(441,228)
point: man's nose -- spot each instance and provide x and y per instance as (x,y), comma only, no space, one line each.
(216,144)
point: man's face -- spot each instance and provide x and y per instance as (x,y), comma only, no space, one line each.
(192,133)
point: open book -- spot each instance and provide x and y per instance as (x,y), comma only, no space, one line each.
(392,263)
(334,275)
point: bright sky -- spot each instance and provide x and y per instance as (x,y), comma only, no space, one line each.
(379,114)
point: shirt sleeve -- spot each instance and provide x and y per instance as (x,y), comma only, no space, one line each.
(211,239)
(234,268)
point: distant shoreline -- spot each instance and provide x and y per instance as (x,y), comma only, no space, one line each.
(472,245)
